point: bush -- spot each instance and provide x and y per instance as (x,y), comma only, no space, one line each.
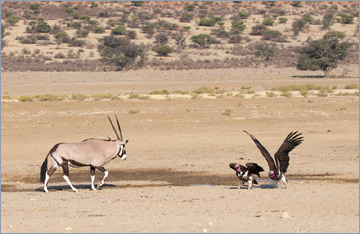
(163,50)
(98,29)
(335,34)
(273,35)
(298,26)
(235,39)
(265,50)
(283,20)
(121,52)
(104,14)
(84,17)
(203,40)
(12,20)
(207,22)
(243,15)
(328,20)
(161,38)
(131,34)
(186,17)
(148,28)
(258,29)
(189,7)
(62,37)
(346,19)
(120,30)
(238,26)
(137,3)
(268,22)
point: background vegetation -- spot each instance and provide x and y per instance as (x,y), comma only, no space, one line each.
(76,36)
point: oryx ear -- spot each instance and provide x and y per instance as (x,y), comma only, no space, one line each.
(126,141)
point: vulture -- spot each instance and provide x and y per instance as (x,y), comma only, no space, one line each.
(279,167)
(245,173)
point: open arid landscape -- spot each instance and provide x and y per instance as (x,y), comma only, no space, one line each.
(184,126)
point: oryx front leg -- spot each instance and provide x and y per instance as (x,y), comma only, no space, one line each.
(106,173)
(65,167)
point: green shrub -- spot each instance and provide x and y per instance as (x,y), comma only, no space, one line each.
(271,94)
(283,20)
(134,111)
(12,20)
(101,96)
(203,90)
(98,29)
(203,40)
(79,97)
(62,37)
(346,18)
(47,97)
(120,30)
(84,17)
(104,14)
(207,22)
(186,17)
(227,112)
(189,7)
(164,50)
(25,98)
(157,92)
(43,27)
(243,15)
(268,22)
(352,86)
(238,26)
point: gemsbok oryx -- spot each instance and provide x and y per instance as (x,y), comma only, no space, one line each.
(281,164)
(90,152)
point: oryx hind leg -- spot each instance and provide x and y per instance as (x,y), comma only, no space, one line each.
(106,173)
(92,172)
(47,177)
(65,167)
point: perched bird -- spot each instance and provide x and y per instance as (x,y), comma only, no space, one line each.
(245,173)
(278,170)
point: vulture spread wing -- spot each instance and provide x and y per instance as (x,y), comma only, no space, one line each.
(282,155)
(254,169)
(264,152)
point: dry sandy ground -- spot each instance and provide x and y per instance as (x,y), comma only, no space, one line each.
(177,178)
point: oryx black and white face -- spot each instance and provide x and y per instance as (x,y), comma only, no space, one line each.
(122,151)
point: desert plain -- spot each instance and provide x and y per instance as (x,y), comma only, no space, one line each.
(177,176)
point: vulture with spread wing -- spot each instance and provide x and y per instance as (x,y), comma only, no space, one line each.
(245,173)
(281,164)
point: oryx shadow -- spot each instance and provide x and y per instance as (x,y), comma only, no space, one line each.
(309,76)
(78,187)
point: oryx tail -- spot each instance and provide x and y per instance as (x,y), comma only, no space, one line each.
(45,163)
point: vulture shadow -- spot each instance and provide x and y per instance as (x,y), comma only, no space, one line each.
(261,186)
(67,187)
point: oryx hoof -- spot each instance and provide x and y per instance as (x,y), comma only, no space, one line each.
(75,190)
(93,188)
(99,186)
(46,191)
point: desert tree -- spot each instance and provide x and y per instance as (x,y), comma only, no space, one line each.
(323,54)
(122,53)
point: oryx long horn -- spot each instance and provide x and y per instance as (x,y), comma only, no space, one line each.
(117,135)
(121,136)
